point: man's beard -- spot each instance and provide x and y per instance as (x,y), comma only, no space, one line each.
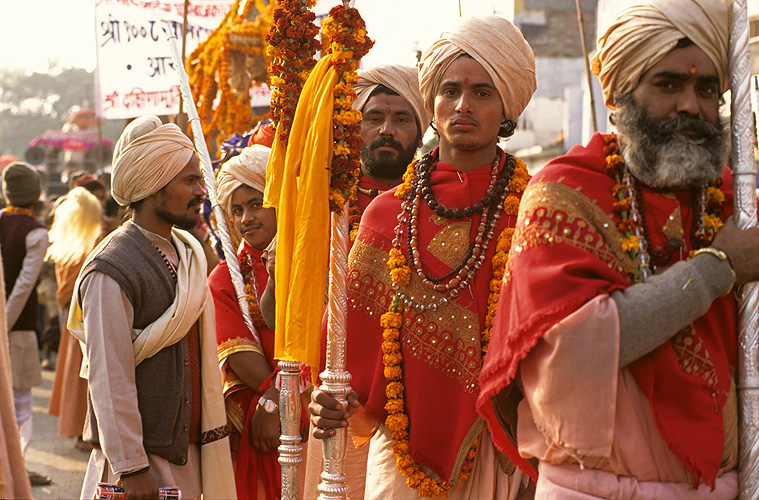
(384,165)
(183,221)
(662,156)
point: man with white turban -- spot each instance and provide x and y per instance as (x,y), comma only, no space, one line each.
(143,314)
(611,369)
(420,274)
(248,369)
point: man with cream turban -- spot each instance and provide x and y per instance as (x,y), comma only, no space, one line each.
(248,369)
(613,355)
(143,313)
(420,274)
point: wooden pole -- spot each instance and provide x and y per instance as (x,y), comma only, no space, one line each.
(588,75)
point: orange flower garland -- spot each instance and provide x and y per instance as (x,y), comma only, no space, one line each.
(291,45)
(208,68)
(630,220)
(18,210)
(397,422)
(251,292)
(347,31)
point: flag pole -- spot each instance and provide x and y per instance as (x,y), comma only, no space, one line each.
(744,185)
(208,176)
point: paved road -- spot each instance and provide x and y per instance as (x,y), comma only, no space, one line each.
(51,454)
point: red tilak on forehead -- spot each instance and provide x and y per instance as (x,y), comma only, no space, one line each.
(692,69)
(466,81)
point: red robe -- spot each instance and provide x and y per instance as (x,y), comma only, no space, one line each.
(441,351)
(571,253)
(233,336)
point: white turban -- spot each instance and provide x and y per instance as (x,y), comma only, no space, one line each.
(498,46)
(147,156)
(401,79)
(643,35)
(248,168)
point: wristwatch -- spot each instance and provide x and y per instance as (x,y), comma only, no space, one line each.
(268,405)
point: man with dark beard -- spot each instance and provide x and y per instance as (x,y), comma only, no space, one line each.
(143,313)
(613,356)
(392,125)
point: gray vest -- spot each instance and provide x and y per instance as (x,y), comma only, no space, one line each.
(163,381)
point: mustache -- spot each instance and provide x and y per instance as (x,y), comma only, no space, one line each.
(198,200)
(664,129)
(386,141)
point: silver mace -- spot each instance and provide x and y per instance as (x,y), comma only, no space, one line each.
(744,185)
(210,181)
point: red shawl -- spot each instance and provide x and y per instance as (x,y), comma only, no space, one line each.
(571,252)
(233,336)
(441,351)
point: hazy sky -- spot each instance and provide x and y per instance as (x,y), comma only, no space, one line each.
(33,32)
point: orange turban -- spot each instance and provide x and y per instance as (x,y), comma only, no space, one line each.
(147,156)
(498,46)
(642,35)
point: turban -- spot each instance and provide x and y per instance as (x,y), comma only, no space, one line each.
(401,79)
(147,156)
(643,35)
(21,184)
(248,168)
(498,46)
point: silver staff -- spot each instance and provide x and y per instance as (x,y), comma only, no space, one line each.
(744,185)
(336,380)
(208,177)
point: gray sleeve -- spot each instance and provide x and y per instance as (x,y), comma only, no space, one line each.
(652,312)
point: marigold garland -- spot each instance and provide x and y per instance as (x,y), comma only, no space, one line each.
(397,422)
(18,210)
(209,69)
(251,292)
(349,43)
(291,45)
(710,200)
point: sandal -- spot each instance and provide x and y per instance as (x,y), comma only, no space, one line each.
(37,479)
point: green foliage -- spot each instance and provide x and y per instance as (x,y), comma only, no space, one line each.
(32,103)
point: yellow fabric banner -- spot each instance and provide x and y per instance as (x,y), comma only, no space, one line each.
(297,185)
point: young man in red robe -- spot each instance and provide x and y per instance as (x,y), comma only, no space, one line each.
(616,324)
(420,275)
(248,369)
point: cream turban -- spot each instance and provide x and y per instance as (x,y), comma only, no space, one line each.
(498,46)
(248,168)
(146,157)
(641,36)
(401,79)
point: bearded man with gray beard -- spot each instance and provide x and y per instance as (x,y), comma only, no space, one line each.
(611,368)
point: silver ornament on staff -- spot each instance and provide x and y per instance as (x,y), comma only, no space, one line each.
(744,186)
(335,379)
(205,165)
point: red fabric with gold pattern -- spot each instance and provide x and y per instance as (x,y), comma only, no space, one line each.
(233,336)
(566,251)
(441,350)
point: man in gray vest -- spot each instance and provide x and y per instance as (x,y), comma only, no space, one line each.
(142,309)
(24,241)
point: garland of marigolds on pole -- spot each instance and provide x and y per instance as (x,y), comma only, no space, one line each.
(397,422)
(349,43)
(291,43)
(208,68)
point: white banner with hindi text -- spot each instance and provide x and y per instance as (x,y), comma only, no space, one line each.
(134,74)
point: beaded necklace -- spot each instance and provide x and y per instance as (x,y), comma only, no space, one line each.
(356,212)
(247,268)
(507,201)
(172,269)
(631,222)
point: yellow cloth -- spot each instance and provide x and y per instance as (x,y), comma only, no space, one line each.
(192,303)
(401,79)
(248,168)
(297,185)
(498,46)
(641,36)
(146,157)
